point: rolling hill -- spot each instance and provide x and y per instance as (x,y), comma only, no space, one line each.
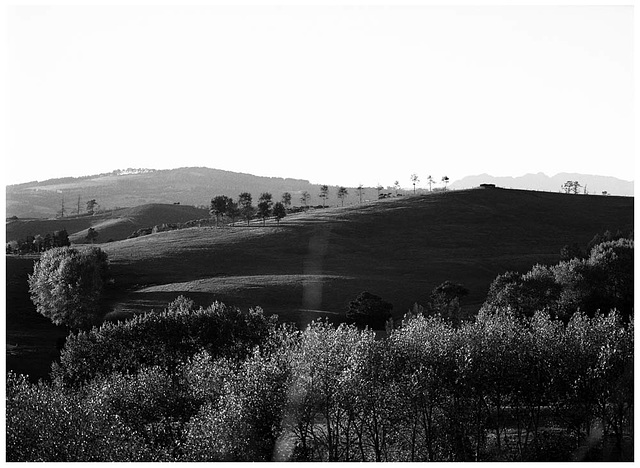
(194,186)
(315,263)
(111,225)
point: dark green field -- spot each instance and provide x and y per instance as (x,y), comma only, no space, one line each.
(313,264)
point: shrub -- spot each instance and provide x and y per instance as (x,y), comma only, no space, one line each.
(67,284)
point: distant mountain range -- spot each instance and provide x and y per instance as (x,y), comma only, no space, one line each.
(196,186)
(593,184)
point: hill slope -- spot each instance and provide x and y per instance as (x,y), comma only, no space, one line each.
(111,225)
(189,186)
(315,263)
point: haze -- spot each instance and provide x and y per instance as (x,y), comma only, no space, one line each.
(335,95)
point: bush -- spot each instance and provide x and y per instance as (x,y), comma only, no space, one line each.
(369,309)
(163,339)
(67,284)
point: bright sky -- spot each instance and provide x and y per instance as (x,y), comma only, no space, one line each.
(331,94)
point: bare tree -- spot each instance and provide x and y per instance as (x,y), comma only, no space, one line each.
(414,181)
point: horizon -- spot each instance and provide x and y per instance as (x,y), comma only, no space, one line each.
(312,182)
(353,95)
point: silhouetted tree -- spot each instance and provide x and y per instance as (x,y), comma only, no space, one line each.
(219,206)
(286,199)
(232,210)
(342,193)
(304,198)
(246,206)
(445,180)
(369,309)
(279,211)
(264,206)
(360,189)
(92,235)
(414,181)
(324,193)
(430,181)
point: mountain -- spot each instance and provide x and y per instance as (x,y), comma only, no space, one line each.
(594,184)
(194,186)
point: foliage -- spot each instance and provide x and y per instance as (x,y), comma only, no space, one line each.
(342,193)
(286,199)
(264,206)
(91,206)
(279,211)
(161,339)
(67,284)
(369,309)
(218,207)
(324,193)
(246,207)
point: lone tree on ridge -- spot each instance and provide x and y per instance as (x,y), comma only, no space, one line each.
(342,193)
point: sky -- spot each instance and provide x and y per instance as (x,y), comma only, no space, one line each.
(332,94)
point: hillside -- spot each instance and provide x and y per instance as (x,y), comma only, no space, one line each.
(111,225)
(194,186)
(314,263)
(594,184)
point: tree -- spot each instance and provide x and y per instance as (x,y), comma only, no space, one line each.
(91,206)
(430,181)
(445,299)
(219,206)
(369,309)
(378,188)
(324,193)
(60,239)
(414,181)
(396,186)
(304,198)
(92,235)
(62,207)
(232,210)
(264,206)
(342,193)
(360,189)
(67,284)
(246,206)
(279,211)
(445,179)
(286,199)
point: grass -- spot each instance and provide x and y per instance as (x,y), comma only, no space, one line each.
(313,264)
(111,225)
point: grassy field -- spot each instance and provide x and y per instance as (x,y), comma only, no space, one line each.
(313,264)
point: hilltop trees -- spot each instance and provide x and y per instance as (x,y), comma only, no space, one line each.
(279,211)
(342,193)
(67,284)
(445,180)
(245,204)
(414,181)
(430,181)
(324,193)
(360,190)
(286,199)
(304,198)
(571,186)
(219,207)
(264,206)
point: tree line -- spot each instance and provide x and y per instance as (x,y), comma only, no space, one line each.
(38,243)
